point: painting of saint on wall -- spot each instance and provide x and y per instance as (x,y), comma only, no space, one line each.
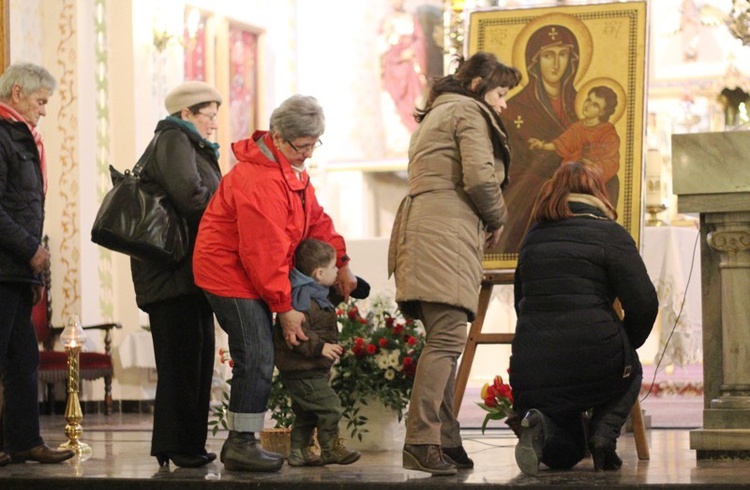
(243,81)
(410,49)
(581,99)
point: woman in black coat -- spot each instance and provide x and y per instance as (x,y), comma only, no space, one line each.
(186,167)
(572,353)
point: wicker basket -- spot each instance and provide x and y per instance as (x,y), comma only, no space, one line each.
(276,440)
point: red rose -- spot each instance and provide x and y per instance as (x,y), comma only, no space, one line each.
(353,314)
(363,321)
(358,351)
(371,349)
(389,322)
(409,366)
(359,342)
(383,341)
(398,328)
(411,341)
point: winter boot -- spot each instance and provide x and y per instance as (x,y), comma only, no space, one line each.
(241,452)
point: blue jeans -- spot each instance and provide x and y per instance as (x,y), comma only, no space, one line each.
(19,368)
(249,324)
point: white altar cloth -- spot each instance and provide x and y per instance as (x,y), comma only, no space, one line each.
(137,351)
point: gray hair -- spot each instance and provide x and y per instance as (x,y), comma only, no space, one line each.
(298,116)
(28,76)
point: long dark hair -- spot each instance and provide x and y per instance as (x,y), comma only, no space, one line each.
(484,65)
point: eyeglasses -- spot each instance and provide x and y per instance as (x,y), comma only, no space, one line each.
(305,148)
(211,117)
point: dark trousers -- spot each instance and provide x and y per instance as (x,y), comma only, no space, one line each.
(315,405)
(565,437)
(184,346)
(19,367)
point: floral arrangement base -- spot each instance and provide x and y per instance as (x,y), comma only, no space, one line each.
(276,440)
(384,431)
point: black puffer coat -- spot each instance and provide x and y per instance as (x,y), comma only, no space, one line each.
(21,202)
(571,352)
(188,171)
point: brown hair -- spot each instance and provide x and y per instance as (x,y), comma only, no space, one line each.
(312,254)
(571,177)
(481,65)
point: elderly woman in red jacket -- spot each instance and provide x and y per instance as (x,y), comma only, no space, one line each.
(264,207)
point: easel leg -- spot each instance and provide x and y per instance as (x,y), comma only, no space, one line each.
(639,431)
(464,369)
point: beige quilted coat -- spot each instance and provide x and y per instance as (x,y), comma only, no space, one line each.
(454,195)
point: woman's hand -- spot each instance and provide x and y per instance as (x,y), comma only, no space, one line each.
(346,281)
(493,238)
(291,326)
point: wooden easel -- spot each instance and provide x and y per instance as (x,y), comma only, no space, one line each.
(477,337)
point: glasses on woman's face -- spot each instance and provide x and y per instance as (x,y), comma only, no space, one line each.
(305,148)
(211,117)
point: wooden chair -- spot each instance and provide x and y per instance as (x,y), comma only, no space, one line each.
(53,365)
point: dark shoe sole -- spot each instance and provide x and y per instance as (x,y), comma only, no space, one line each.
(460,466)
(235,466)
(411,463)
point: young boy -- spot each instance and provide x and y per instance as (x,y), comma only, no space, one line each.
(305,370)
(592,140)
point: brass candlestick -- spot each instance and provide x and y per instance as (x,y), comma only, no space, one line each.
(73,338)
(654,210)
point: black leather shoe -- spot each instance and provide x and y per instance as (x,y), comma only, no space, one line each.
(4,459)
(531,443)
(42,454)
(426,457)
(241,452)
(458,456)
(185,460)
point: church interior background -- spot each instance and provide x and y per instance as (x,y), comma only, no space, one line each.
(116,60)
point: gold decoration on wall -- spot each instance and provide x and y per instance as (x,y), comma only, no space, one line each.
(101,55)
(68,252)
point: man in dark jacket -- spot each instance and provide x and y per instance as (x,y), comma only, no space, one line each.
(24,91)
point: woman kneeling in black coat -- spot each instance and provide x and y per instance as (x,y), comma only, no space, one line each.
(571,352)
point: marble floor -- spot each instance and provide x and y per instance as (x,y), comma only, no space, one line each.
(121,444)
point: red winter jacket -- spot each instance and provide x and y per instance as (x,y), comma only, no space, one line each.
(253,224)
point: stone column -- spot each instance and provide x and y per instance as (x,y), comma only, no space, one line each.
(711,175)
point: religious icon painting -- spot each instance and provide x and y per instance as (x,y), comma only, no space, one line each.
(581,99)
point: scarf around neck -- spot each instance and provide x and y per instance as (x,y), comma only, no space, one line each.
(591,201)
(7,112)
(191,127)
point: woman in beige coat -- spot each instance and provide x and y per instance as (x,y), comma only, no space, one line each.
(458,160)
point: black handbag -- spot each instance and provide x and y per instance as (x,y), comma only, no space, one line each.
(136,217)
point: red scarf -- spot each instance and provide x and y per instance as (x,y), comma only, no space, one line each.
(7,112)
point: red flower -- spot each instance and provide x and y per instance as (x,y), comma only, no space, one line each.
(359,342)
(363,321)
(409,366)
(490,401)
(389,322)
(358,351)
(411,341)
(371,349)
(383,342)
(398,328)
(353,314)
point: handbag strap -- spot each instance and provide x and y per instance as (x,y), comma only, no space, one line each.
(148,153)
